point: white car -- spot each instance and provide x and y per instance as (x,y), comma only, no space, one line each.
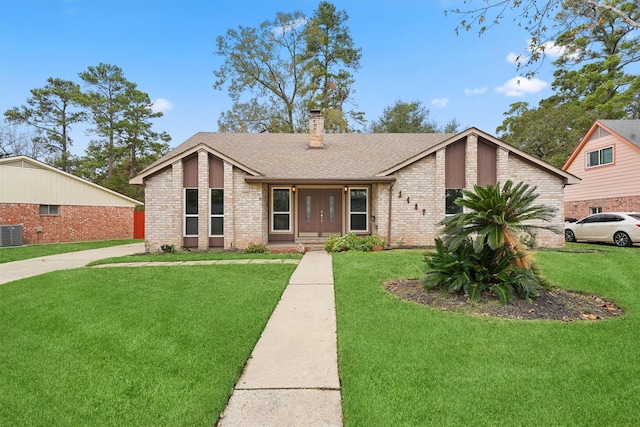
(620,228)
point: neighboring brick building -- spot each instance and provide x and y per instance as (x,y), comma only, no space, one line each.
(53,206)
(606,160)
(229,190)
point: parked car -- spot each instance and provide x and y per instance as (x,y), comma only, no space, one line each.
(620,228)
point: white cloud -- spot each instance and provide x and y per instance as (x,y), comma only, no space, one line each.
(289,26)
(514,58)
(549,49)
(521,86)
(440,102)
(476,91)
(161,105)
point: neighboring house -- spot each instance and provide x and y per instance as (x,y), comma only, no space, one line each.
(54,206)
(226,190)
(607,161)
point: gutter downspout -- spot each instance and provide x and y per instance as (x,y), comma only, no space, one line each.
(389,217)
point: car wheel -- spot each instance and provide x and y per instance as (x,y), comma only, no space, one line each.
(569,236)
(620,238)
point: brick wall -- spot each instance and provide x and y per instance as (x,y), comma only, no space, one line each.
(163,209)
(580,209)
(72,224)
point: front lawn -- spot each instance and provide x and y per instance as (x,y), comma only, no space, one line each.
(130,346)
(404,364)
(17,253)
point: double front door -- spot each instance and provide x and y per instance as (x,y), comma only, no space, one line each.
(319,212)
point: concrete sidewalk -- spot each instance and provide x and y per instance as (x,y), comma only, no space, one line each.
(16,270)
(292,376)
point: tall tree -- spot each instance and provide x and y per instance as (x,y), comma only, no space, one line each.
(540,18)
(106,100)
(51,112)
(16,142)
(332,54)
(268,64)
(409,117)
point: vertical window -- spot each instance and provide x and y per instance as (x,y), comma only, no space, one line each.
(217,213)
(600,157)
(358,209)
(191,212)
(595,210)
(48,210)
(451,194)
(308,209)
(281,209)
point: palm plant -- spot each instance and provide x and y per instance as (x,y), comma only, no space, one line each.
(481,248)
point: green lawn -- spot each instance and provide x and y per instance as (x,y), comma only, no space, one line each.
(18,253)
(402,364)
(195,256)
(130,346)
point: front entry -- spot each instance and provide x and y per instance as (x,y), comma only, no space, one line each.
(319,212)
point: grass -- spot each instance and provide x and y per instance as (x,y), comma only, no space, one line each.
(195,256)
(403,364)
(145,346)
(18,253)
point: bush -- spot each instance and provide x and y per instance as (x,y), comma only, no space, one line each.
(351,242)
(168,249)
(254,248)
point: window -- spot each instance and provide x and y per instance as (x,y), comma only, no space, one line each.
(281,209)
(48,210)
(216,228)
(593,210)
(191,212)
(600,157)
(358,210)
(451,194)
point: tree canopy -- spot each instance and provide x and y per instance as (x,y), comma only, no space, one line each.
(409,117)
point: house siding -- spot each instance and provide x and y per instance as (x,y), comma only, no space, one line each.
(612,187)
(72,224)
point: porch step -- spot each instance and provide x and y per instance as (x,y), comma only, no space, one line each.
(299,246)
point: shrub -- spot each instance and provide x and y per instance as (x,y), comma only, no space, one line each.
(255,248)
(168,249)
(351,242)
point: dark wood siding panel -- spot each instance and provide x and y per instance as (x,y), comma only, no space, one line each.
(281,237)
(190,172)
(190,242)
(455,164)
(487,157)
(216,242)
(216,172)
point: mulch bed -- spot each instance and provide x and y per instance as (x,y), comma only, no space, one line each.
(557,304)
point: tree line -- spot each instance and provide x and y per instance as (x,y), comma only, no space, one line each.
(119,119)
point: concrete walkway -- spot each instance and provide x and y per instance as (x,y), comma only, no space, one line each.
(292,376)
(16,270)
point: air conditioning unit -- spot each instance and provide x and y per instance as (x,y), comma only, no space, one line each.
(11,235)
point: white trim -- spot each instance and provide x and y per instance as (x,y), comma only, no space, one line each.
(273,212)
(599,150)
(365,213)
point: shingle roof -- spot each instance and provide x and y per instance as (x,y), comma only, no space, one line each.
(288,156)
(628,129)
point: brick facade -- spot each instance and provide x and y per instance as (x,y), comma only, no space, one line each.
(72,224)
(581,208)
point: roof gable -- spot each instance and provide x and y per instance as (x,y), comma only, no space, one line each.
(627,131)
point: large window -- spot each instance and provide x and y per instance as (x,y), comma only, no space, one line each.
(451,194)
(217,213)
(600,157)
(358,210)
(48,210)
(281,209)
(191,212)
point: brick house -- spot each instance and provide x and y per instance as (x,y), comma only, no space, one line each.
(53,206)
(607,161)
(225,190)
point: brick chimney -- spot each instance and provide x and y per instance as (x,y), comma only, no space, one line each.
(316,129)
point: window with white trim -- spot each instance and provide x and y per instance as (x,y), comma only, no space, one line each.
(599,157)
(358,209)
(280,209)
(595,210)
(190,211)
(216,222)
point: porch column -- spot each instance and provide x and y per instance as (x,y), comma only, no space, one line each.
(471,162)
(229,207)
(502,165)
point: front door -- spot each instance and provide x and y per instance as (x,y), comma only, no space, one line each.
(319,212)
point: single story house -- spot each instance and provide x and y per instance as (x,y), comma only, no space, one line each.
(53,206)
(226,190)
(607,161)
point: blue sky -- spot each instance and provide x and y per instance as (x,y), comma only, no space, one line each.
(409,52)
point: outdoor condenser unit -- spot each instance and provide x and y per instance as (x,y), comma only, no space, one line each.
(11,235)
